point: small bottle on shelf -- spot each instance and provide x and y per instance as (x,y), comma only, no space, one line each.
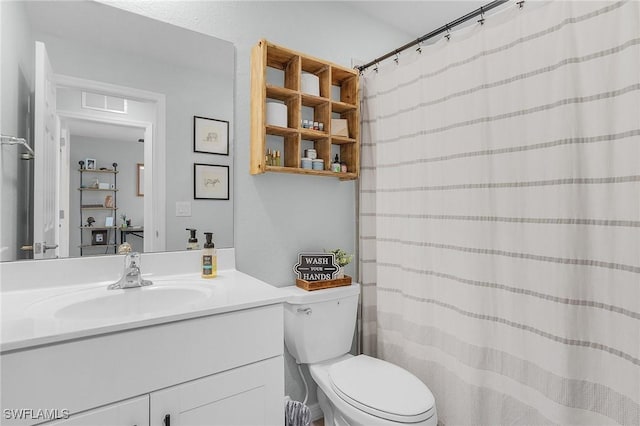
(335,166)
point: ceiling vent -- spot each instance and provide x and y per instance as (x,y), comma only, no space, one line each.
(104,103)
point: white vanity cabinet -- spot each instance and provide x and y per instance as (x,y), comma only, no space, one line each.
(222,369)
(133,412)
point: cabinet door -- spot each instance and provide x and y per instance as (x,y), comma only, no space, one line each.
(132,412)
(249,395)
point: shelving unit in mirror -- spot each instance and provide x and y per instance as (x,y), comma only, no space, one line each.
(98,221)
(299,104)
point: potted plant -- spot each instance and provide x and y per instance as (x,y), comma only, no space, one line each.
(342,259)
(125,222)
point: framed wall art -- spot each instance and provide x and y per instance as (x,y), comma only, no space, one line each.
(210,182)
(210,136)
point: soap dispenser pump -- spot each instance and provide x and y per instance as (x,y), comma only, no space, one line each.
(209,258)
(192,244)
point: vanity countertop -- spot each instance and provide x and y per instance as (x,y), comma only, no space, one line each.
(42,316)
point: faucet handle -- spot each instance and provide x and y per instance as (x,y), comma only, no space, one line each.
(132,260)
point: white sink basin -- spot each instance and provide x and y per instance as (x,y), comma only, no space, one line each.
(100,303)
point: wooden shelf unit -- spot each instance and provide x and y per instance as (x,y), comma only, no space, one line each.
(268,55)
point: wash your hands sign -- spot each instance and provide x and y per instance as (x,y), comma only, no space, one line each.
(316,266)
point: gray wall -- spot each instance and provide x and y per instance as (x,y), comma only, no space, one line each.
(16,88)
(127,154)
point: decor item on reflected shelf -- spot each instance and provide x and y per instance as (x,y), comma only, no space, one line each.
(140,180)
(210,182)
(124,248)
(99,238)
(125,222)
(342,259)
(210,136)
(90,221)
(108,221)
(108,201)
(90,164)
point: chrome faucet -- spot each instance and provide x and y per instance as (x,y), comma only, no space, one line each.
(132,277)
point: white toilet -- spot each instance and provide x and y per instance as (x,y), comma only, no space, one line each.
(352,390)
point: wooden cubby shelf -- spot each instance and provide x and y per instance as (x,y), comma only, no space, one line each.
(338,99)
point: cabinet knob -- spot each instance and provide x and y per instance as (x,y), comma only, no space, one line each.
(167,420)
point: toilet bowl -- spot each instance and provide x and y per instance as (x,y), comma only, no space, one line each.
(352,390)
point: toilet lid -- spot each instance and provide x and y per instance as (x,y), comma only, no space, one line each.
(382,389)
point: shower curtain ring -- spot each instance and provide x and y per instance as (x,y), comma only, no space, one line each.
(448,34)
(520,3)
(396,59)
(375,67)
(481,20)
(419,49)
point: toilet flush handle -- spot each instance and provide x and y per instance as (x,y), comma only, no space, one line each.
(306,311)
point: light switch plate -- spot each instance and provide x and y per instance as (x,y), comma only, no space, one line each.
(183,208)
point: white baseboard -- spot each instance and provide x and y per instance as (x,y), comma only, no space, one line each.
(316,411)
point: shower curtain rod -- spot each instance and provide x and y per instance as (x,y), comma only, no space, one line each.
(478,12)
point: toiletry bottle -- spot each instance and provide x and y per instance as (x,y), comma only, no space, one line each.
(335,166)
(192,244)
(209,258)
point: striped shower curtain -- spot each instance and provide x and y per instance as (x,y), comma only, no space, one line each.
(500,216)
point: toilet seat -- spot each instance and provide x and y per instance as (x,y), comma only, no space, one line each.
(381,389)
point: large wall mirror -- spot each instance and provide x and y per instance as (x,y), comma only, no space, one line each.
(89,86)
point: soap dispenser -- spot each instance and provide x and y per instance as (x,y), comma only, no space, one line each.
(209,258)
(192,244)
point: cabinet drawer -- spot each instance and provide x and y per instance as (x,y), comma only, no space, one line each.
(249,395)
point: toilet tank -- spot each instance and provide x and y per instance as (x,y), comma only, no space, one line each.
(319,324)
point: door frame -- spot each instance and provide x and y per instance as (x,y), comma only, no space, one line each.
(154,151)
